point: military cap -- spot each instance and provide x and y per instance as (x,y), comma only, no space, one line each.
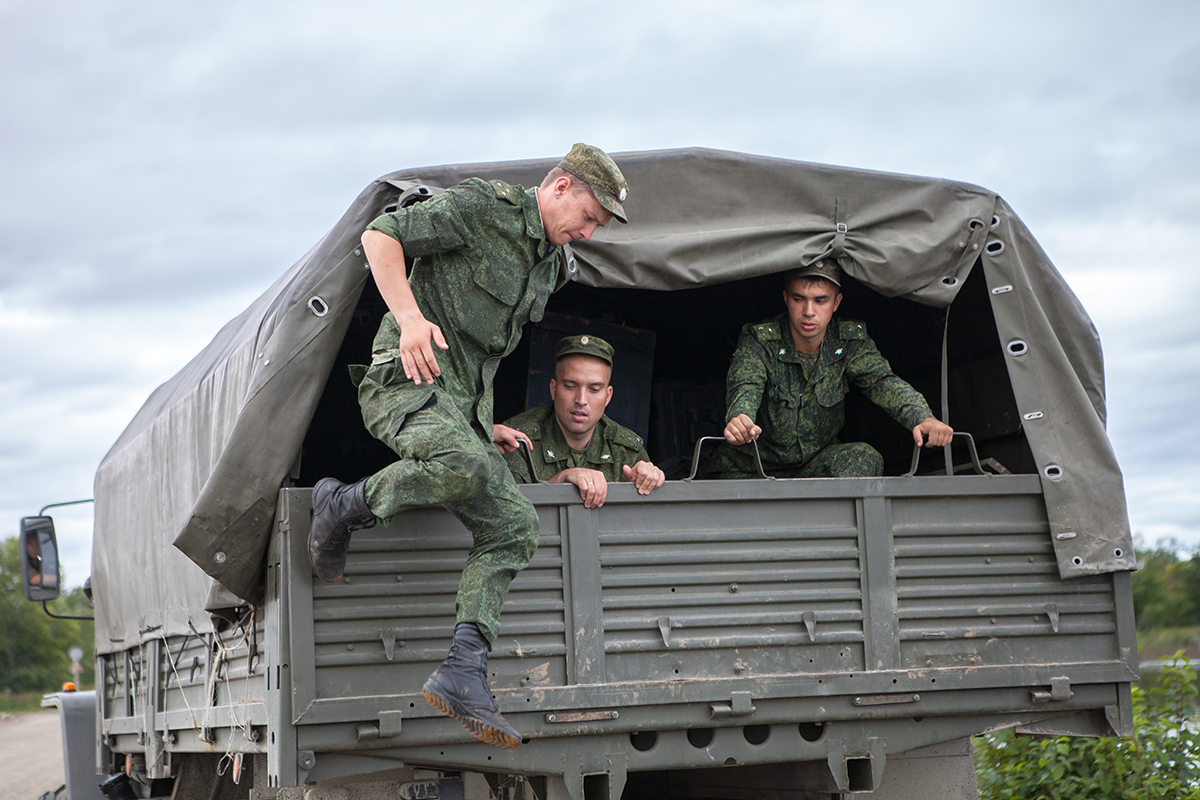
(594,167)
(825,268)
(585,345)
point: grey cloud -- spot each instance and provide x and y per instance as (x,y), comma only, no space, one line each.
(163,159)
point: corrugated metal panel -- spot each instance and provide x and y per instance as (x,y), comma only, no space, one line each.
(386,625)
(977,583)
(746,590)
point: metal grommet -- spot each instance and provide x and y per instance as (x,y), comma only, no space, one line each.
(1077,561)
(317,306)
(995,222)
(995,247)
(219,557)
(1032,415)
(976,224)
(1017,347)
(1053,472)
(949,280)
(1118,552)
(1002,289)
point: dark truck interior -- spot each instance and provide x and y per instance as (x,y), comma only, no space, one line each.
(672,353)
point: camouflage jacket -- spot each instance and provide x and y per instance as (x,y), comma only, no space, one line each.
(482,269)
(800,407)
(612,447)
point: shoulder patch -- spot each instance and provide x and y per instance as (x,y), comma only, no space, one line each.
(505,191)
(625,437)
(766,331)
(850,329)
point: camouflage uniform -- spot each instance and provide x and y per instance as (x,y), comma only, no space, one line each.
(800,406)
(483,268)
(612,447)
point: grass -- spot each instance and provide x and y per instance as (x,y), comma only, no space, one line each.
(20,702)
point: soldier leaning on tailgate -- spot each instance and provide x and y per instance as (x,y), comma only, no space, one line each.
(788,380)
(486,257)
(571,439)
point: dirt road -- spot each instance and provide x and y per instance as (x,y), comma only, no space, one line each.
(32,748)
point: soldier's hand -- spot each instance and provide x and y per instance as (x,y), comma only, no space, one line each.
(416,353)
(506,438)
(592,485)
(933,433)
(644,475)
(741,430)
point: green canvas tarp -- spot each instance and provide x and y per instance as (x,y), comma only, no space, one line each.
(185,498)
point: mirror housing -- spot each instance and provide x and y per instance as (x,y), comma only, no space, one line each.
(39,558)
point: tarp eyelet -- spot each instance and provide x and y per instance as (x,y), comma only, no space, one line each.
(949,280)
(1053,472)
(1077,561)
(995,221)
(995,247)
(1002,289)
(1118,552)
(1017,348)
(317,306)
(976,224)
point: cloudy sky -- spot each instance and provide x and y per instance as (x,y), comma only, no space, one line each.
(163,163)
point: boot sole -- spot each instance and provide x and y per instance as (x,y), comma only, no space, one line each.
(477,728)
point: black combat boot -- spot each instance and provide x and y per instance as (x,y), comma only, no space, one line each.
(339,509)
(459,689)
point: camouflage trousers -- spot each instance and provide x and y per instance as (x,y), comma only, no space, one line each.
(853,460)
(445,461)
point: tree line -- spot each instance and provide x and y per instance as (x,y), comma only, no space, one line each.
(1166,587)
(33,646)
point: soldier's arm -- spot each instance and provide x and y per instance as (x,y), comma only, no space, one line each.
(746,380)
(870,372)
(386,257)
(745,384)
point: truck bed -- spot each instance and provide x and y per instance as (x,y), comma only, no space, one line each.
(710,623)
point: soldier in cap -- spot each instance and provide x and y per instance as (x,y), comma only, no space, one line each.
(787,381)
(571,439)
(486,256)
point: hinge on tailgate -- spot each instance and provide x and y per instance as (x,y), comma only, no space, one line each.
(389,725)
(740,705)
(1060,689)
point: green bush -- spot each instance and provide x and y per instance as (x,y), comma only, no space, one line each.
(1161,760)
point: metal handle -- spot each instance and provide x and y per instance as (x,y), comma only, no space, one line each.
(700,443)
(523,446)
(912,470)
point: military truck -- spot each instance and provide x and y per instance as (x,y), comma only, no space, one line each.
(760,638)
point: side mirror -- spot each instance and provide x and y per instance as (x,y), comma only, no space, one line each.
(39,558)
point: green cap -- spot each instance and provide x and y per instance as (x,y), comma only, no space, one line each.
(825,268)
(587,345)
(593,166)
